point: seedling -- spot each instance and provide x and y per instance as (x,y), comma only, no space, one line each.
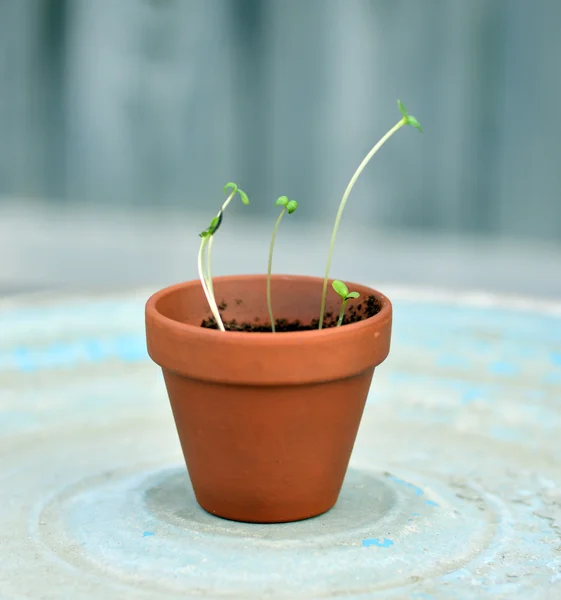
(288,206)
(343,291)
(207,237)
(406,119)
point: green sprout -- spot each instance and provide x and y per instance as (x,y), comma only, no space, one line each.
(207,237)
(343,291)
(406,119)
(288,206)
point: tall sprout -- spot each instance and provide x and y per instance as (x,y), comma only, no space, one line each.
(406,119)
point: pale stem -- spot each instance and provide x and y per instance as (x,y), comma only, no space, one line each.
(209,267)
(269,268)
(228,200)
(350,186)
(209,297)
(208,275)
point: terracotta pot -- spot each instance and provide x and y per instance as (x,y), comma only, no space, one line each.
(267,422)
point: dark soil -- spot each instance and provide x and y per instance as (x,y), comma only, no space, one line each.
(353,314)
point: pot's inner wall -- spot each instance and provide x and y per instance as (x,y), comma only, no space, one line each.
(244,299)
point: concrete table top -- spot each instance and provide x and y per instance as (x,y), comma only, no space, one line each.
(454,488)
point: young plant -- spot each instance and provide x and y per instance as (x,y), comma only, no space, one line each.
(288,206)
(343,291)
(207,237)
(406,119)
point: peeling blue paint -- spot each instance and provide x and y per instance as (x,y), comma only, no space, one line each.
(94,350)
(22,359)
(130,348)
(470,395)
(502,367)
(386,543)
(418,491)
(433,542)
(127,348)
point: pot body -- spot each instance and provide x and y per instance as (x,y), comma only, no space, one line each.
(267,422)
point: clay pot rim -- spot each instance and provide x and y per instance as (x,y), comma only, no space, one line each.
(266,337)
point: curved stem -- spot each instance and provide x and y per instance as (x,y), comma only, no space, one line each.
(350,186)
(228,200)
(269,268)
(208,276)
(209,297)
(342,313)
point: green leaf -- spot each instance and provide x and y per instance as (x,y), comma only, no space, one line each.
(230,186)
(215,224)
(243,196)
(291,206)
(353,295)
(204,234)
(340,288)
(409,119)
(282,201)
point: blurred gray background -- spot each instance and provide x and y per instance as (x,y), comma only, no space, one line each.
(121,120)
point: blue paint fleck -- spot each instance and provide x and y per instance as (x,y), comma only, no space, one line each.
(94,350)
(418,491)
(432,503)
(471,395)
(386,543)
(130,348)
(415,514)
(148,533)
(23,360)
(555,358)
(501,367)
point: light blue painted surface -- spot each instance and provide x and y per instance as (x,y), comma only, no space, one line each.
(454,489)
(385,543)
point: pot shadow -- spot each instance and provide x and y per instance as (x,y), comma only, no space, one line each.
(366,499)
